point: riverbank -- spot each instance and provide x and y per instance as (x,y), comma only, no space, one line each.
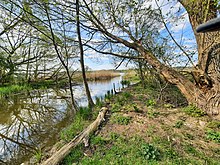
(142,129)
(18,87)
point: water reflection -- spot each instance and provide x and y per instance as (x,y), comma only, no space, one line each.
(26,120)
(97,89)
(31,121)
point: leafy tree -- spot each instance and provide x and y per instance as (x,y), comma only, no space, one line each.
(114,20)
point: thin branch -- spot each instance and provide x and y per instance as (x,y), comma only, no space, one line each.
(114,54)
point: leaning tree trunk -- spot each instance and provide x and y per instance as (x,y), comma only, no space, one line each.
(208,100)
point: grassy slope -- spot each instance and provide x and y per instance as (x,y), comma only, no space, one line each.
(140,130)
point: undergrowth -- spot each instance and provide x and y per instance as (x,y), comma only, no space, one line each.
(193,111)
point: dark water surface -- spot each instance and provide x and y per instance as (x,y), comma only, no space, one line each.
(33,120)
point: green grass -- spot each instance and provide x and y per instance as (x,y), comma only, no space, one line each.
(214,124)
(119,150)
(74,156)
(12,89)
(7,90)
(81,120)
(122,120)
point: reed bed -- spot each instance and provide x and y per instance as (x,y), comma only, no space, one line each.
(96,75)
(101,75)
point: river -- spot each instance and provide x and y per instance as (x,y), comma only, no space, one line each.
(33,120)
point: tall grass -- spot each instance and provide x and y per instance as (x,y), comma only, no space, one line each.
(97,75)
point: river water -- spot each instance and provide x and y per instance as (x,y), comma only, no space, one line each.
(34,119)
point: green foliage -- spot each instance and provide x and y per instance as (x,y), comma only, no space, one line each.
(151,103)
(99,102)
(85,112)
(122,101)
(108,95)
(213,135)
(171,153)
(114,135)
(190,149)
(125,83)
(179,124)
(192,110)
(118,150)
(115,107)
(149,152)
(127,95)
(123,120)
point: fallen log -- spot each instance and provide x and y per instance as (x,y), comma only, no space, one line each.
(82,137)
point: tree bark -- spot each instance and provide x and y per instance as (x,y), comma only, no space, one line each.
(66,149)
(207,73)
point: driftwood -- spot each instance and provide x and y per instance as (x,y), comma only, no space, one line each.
(83,136)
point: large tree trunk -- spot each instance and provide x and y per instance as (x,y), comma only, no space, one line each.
(207,73)
(207,99)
